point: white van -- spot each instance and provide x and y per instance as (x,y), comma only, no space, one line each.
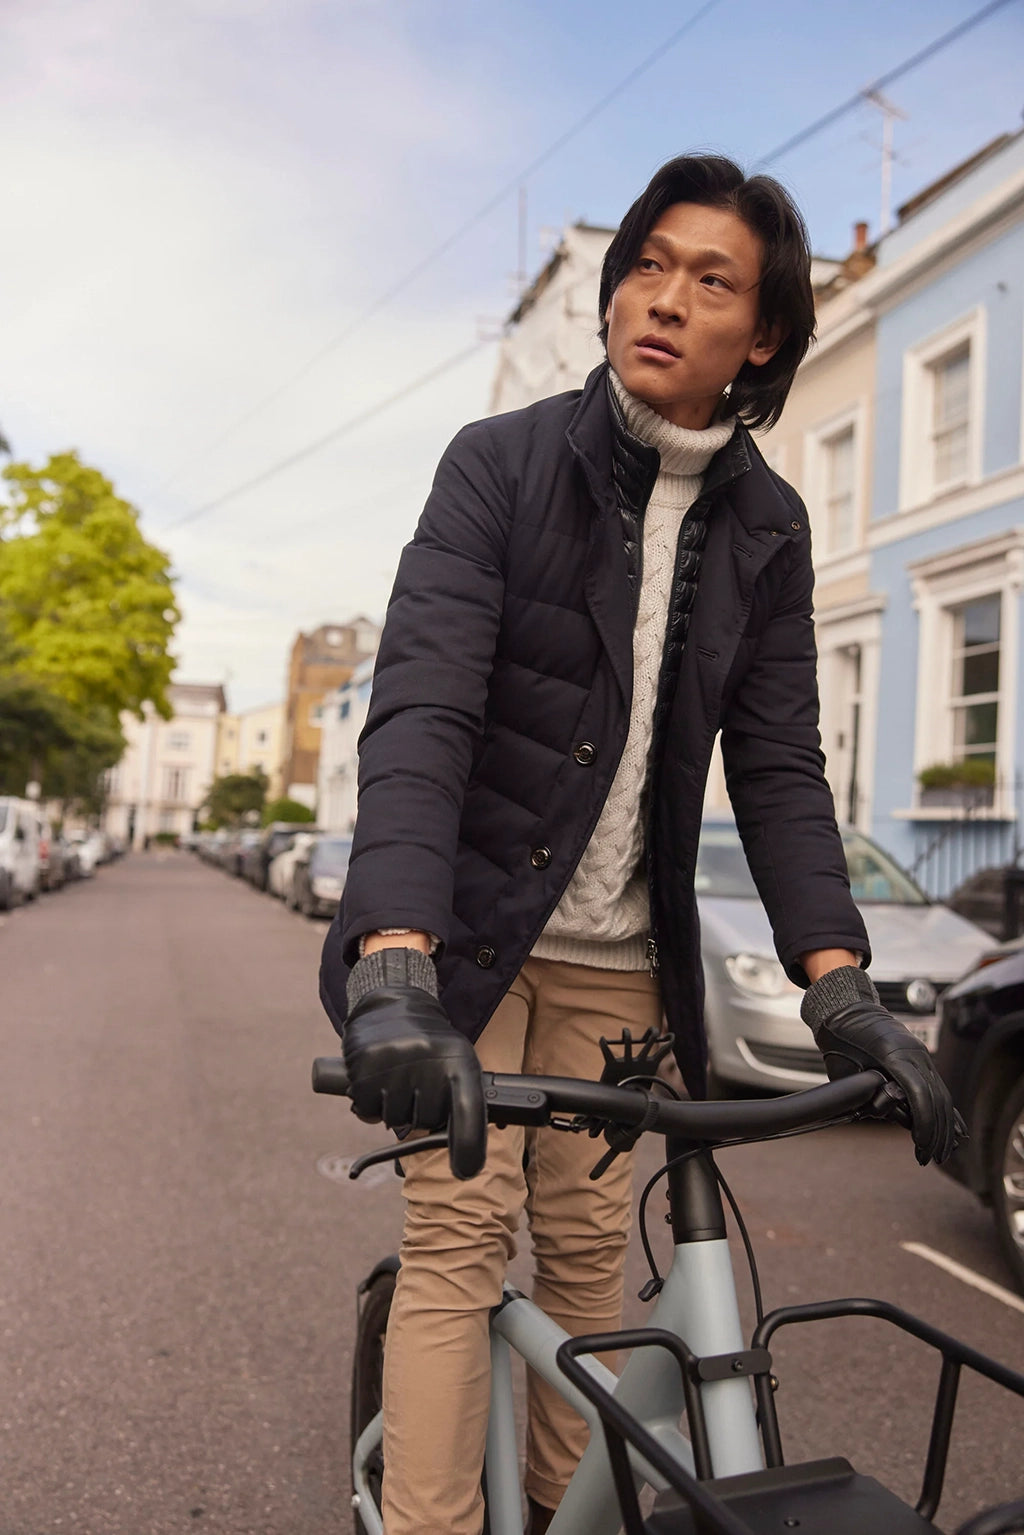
(19,851)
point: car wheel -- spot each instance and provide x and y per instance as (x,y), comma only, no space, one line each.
(6,892)
(1008,1181)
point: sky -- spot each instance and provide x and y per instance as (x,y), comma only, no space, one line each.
(220,223)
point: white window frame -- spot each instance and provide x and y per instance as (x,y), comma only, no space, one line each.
(175,783)
(816,445)
(836,630)
(179,741)
(991,567)
(917,466)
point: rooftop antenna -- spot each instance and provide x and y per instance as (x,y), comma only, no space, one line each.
(889,112)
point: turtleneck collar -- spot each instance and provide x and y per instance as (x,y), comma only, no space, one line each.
(682,450)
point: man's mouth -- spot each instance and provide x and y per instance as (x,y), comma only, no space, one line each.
(656,344)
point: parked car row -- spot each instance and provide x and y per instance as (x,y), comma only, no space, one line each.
(302,865)
(34,858)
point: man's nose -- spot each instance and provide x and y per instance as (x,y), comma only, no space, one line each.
(670,302)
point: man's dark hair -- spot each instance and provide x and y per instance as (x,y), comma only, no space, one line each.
(786,299)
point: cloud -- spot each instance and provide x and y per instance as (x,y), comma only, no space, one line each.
(198,198)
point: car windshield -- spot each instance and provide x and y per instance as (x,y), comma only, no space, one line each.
(3,816)
(331,856)
(874,877)
(721,864)
(279,841)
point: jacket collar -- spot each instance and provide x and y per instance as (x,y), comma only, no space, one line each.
(598,428)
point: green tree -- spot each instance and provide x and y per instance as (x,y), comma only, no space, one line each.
(43,738)
(86,599)
(286,810)
(234,796)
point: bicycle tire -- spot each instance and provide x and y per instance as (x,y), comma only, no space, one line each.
(368,1380)
(368,1376)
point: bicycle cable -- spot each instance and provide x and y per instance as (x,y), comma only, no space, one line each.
(655,1283)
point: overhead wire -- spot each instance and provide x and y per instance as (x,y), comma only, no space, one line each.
(434,255)
(332,436)
(907,65)
(812,129)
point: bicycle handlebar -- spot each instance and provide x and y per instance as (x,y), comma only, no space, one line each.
(525,1100)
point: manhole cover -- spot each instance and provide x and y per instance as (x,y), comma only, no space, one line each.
(336,1167)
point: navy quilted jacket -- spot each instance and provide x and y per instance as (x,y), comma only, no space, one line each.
(501,699)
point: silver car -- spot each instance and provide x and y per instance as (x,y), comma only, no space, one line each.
(756,1036)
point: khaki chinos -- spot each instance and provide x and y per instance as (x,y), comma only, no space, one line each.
(459,1238)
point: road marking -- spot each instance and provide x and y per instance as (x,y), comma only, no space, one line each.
(968,1276)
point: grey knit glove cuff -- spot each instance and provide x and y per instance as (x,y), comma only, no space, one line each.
(391,967)
(834,990)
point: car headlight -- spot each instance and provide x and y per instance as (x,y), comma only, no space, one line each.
(758,976)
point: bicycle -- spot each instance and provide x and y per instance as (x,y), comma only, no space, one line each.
(729,1477)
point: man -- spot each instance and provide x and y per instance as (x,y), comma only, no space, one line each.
(598,585)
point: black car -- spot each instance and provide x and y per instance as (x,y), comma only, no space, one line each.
(273,839)
(319,877)
(981,1056)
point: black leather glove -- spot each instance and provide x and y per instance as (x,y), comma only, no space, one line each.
(854,1032)
(406,1064)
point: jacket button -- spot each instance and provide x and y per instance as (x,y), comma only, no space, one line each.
(585,753)
(795,526)
(485,957)
(540,857)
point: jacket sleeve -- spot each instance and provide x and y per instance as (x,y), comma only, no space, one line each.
(428,700)
(775,773)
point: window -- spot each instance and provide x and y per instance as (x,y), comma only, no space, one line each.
(832,452)
(840,530)
(261,737)
(968,691)
(974,697)
(951,416)
(343,709)
(179,741)
(943,409)
(175,784)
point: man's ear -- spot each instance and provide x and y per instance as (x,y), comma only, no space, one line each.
(766,344)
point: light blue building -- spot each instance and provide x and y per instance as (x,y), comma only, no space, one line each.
(945,534)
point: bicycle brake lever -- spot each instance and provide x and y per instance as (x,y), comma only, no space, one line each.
(397,1153)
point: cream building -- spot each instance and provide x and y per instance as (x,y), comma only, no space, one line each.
(161,781)
(251,739)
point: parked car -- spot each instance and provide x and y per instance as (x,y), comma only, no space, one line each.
(319,877)
(273,839)
(91,849)
(19,851)
(756,1037)
(981,1058)
(52,872)
(235,847)
(281,873)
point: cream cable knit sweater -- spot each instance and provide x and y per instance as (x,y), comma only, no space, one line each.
(603,918)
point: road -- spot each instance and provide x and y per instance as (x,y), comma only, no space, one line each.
(179,1255)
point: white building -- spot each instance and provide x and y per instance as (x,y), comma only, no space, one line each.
(161,781)
(342,717)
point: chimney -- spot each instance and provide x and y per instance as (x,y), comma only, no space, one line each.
(860,235)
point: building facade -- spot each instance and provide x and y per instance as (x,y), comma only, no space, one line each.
(254,739)
(161,781)
(343,715)
(319,662)
(946,532)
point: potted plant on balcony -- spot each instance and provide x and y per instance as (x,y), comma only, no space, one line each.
(967,785)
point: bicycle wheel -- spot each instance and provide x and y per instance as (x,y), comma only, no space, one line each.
(367,1381)
(367,1376)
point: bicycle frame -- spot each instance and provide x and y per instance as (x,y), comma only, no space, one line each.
(698,1305)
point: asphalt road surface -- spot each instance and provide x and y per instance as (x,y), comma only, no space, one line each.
(179,1247)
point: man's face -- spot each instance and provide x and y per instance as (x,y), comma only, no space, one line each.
(683,322)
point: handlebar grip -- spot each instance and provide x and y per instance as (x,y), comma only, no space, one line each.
(330,1076)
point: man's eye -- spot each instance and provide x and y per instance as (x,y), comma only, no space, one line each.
(648,264)
(719,282)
